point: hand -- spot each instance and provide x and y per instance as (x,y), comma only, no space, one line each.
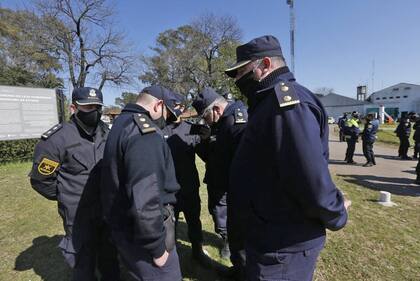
(161,260)
(347,203)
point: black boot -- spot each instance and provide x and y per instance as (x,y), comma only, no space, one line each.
(200,255)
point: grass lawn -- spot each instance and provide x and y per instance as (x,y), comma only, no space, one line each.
(378,243)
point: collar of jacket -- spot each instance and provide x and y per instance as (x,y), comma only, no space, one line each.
(280,74)
(135,108)
(231,107)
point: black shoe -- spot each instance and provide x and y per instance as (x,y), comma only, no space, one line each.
(225,251)
(406,158)
(368,164)
(231,273)
(201,256)
(351,162)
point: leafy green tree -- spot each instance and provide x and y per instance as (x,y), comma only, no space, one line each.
(126,98)
(194,56)
(27,56)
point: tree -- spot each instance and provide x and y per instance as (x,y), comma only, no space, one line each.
(87,42)
(126,98)
(27,56)
(194,56)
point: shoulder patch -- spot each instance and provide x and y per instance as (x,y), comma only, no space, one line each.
(144,123)
(240,116)
(286,94)
(51,131)
(47,166)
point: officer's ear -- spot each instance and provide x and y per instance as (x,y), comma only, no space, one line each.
(266,63)
(218,110)
(158,106)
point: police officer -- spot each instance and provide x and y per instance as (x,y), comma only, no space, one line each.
(66,168)
(182,144)
(280,183)
(368,138)
(416,136)
(341,123)
(403,132)
(228,119)
(351,134)
(139,187)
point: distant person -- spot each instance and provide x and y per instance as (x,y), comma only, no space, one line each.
(403,132)
(369,138)
(341,124)
(351,134)
(67,168)
(416,136)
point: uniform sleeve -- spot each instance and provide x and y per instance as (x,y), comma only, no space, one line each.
(145,163)
(43,176)
(313,187)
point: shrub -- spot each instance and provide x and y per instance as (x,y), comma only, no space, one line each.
(17,150)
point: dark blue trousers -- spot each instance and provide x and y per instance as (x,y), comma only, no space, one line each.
(141,267)
(217,206)
(351,146)
(281,265)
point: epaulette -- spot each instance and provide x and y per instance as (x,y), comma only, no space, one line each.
(286,94)
(144,123)
(51,131)
(239,116)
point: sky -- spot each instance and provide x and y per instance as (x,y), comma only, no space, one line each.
(338,44)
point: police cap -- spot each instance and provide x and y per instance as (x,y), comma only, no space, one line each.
(161,93)
(204,100)
(87,95)
(264,46)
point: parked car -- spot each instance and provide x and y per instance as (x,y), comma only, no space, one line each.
(331,120)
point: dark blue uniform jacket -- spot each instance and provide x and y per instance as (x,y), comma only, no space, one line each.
(67,169)
(182,145)
(230,128)
(280,179)
(416,128)
(369,132)
(403,129)
(138,179)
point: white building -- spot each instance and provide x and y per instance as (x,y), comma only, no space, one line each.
(399,99)
(336,105)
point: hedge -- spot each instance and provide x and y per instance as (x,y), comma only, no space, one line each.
(17,150)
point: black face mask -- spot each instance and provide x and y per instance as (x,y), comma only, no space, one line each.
(248,86)
(90,118)
(160,122)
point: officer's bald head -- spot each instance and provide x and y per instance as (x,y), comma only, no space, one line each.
(153,105)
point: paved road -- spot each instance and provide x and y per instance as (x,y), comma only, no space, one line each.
(390,174)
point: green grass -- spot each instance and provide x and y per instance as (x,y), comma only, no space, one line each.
(378,243)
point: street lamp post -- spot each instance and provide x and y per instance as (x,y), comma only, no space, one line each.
(292,33)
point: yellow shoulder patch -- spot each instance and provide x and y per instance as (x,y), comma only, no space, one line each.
(46,167)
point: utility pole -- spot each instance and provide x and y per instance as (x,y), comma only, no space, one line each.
(292,34)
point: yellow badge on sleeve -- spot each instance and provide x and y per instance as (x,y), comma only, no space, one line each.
(46,167)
